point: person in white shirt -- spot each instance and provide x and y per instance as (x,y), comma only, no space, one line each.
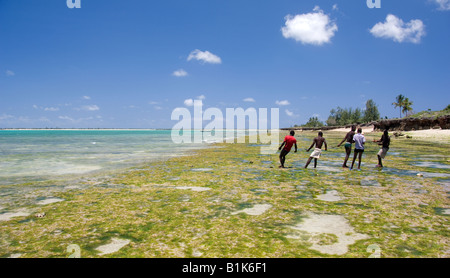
(359,140)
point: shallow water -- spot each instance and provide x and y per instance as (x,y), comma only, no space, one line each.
(38,163)
(434,165)
(29,155)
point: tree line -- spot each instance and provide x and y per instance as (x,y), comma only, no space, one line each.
(345,116)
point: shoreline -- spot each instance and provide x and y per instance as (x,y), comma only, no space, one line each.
(431,135)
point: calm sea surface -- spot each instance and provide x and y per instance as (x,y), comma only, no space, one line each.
(32,155)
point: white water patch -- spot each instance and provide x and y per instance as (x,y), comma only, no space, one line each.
(435,165)
(193,188)
(44,167)
(115,245)
(330,196)
(255,210)
(317,224)
(202,169)
(9,215)
(49,201)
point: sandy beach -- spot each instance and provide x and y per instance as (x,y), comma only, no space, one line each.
(432,135)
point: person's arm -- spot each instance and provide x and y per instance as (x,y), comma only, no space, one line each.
(343,140)
(325,142)
(282,144)
(295,144)
(379,141)
(312,145)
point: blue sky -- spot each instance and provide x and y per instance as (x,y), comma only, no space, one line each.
(129,64)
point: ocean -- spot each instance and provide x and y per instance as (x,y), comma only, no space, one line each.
(36,164)
(39,155)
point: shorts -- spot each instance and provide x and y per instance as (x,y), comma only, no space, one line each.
(383,151)
(284,152)
(348,146)
(316,153)
(358,151)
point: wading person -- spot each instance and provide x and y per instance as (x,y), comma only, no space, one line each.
(348,145)
(359,140)
(385,141)
(319,141)
(288,142)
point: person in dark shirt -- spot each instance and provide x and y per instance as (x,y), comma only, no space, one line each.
(318,141)
(348,145)
(288,142)
(385,142)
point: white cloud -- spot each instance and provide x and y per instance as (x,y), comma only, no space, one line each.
(282,102)
(394,28)
(90,108)
(189,102)
(204,56)
(314,28)
(202,97)
(5,117)
(444,5)
(53,109)
(180,73)
(86,97)
(335,7)
(249,99)
(79,120)
(10,73)
(290,113)
(66,118)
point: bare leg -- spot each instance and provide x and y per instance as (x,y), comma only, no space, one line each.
(282,159)
(359,158)
(307,163)
(354,158)
(380,162)
(347,155)
(315,162)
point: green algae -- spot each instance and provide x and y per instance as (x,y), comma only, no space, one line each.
(399,211)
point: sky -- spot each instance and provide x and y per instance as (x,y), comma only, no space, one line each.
(130,64)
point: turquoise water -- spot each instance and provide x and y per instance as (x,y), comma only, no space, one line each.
(31,155)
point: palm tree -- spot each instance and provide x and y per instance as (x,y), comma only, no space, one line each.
(407,106)
(400,100)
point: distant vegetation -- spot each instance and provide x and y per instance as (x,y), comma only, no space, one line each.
(404,104)
(347,116)
(432,114)
(313,122)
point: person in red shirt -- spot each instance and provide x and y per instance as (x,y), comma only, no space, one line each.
(288,142)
